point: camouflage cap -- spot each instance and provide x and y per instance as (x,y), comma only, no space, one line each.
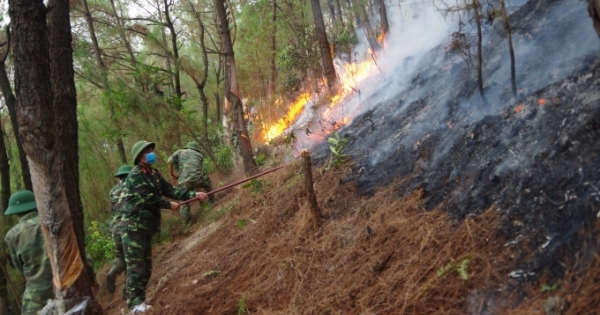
(192,145)
(20,202)
(138,147)
(123,170)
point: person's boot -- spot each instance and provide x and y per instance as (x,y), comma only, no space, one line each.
(110,282)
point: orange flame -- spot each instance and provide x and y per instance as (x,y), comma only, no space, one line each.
(277,129)
(349,77)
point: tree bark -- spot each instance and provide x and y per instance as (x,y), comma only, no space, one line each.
(200,84)
(476,7)
(232,92)
(513,80)
(42,142)
(10,100)
(273,74)
(4,171)
(594,11)
(340,18)
(328,68)
(310,192)
(385,27)
(175,53)
(104,70)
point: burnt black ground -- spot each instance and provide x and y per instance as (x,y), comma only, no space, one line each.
(535,158)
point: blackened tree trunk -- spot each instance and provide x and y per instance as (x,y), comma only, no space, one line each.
(232,92)
(11,101)
(476,8)
(42,142)
(594,11)
(385,27)
(513,80)
(323,44)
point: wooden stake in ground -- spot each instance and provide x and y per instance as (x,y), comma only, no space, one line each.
(312,199)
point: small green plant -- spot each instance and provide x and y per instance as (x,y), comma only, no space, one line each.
(242,306)
(99,243)
(255,186)
(241,223)
(336,145)
(225,158)
(549,288)
(459,266)
(260,160)
(295,179)
(211,273)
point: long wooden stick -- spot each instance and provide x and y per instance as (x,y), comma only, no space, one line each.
(233,184)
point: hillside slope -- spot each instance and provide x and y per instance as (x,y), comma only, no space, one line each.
(447,205)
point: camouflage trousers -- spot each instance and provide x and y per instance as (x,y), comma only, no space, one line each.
(137,247)
(204,183)
(33,302)
(118,264)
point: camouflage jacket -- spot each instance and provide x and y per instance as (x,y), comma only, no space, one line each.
(188,163)
(118,196)
(144,199)
(27,250)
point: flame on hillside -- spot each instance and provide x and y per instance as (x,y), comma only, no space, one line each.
(277,128)
(350,76)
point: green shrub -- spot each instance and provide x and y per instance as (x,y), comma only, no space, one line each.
(225,158)
(99,243)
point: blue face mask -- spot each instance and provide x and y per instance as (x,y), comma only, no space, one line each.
(150,158)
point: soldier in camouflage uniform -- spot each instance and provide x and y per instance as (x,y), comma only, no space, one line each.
(141,219)
(27,250)
(117,195)
(188,163)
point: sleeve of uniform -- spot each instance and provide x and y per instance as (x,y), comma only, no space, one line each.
(178,193)
(141,195)
(13,257)
(174,158)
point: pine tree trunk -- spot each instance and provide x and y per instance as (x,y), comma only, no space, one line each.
(327,59)
(175,53)
(594,11)
(476,8)
(232,92)
(10,100)
(273,76)
(202,83)
(385,27)
(42,141)
(102,66)
(513,80)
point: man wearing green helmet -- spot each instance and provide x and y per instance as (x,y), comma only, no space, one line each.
(118,196)
(27,250)
(141,219)
(190,174)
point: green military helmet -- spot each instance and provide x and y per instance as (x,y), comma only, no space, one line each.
(191,145)
(123,170)
(138,147)
(20,202)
